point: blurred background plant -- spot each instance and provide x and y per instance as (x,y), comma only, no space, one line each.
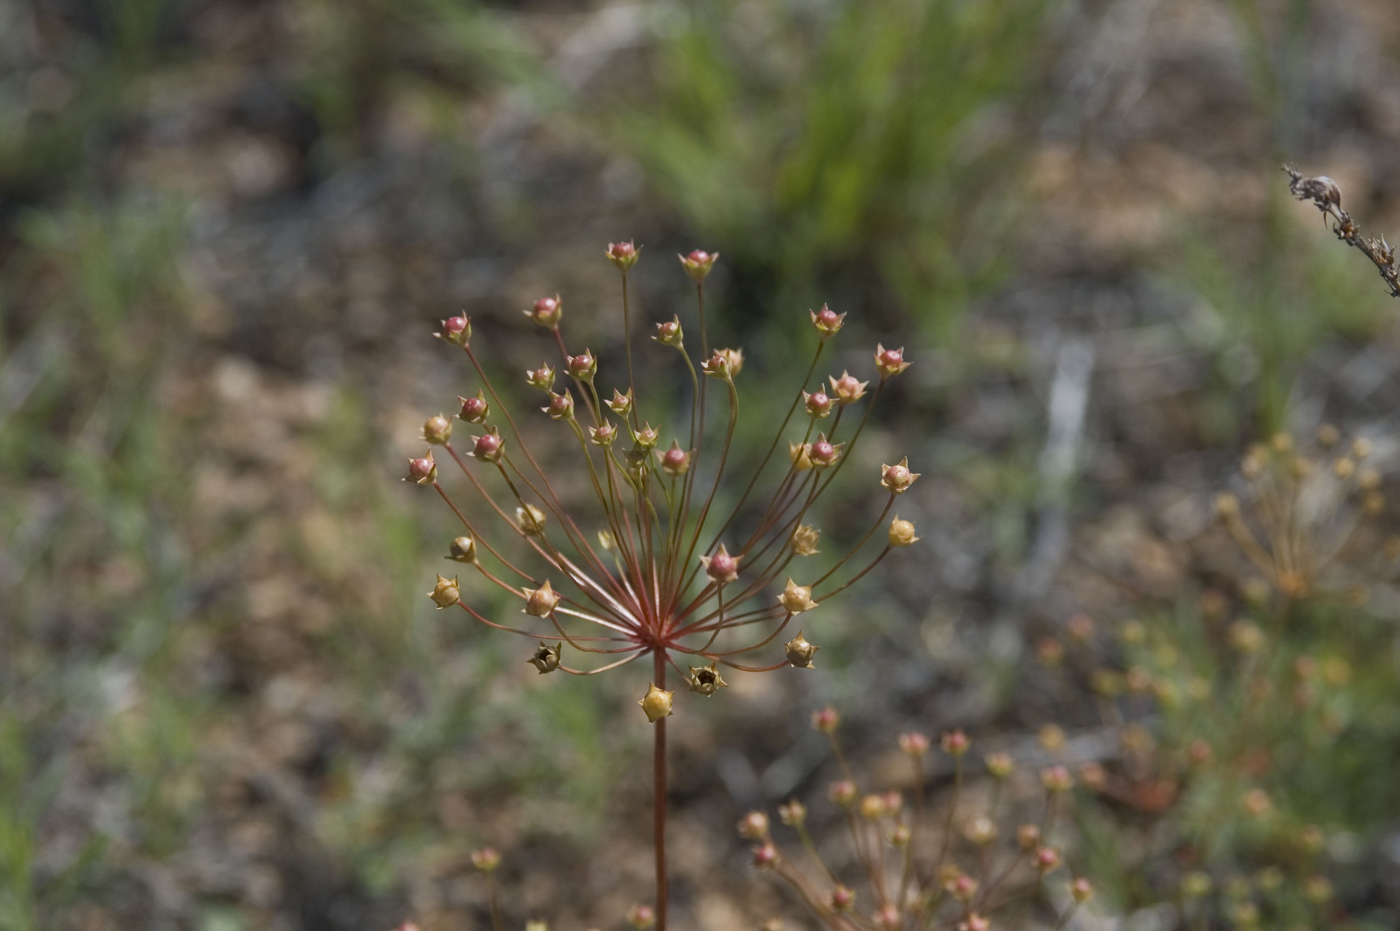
(224,227)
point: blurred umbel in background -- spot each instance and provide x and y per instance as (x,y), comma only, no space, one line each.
(227,227)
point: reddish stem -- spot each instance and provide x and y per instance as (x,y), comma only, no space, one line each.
(659,799)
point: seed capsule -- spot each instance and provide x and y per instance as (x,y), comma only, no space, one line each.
(583,366)
(827,322)
(720,567)
(705,680)
(475,409)
(890,362)
(796,598)
(902,532)
(437,430)
(546,658)
(800,654)
(698,263)
(675,461)
(897,478)
(623,255)
(804,540)
(422,471)
(541,602)
(546,312)
(463,549)
(656,703)
(456,330)
(445,593)
(847,388)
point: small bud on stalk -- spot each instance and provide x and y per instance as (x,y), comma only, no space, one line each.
(698,264)
(705,680)
(641,917)
(897,478)
(914,744)
(718,365)
(437,430)
(656,703)
(560,406)
(422,471)
(800,654)
(456,330)
(1047,860)
(823,452)
(872,807)
(826,720)
(486,859)
(1081,890)
(541,378)
(541,602)
(818,404)
(1056,779)
(623,255)
(489,446)
(735,358)
(793,813)
(847,389)
(720,567)
(999,765)
(445,593)
(546,312)
(890,362)
(827,322)
(841,899)
(765,856)
(753,826)
(475,409)
(1028,837)
(583,366)
(463,549)
(546,658)
(674,461)
(796,598)
(603,435)
(842,792)
(646,437)
(902,532)
(621,404)
(669,333)
(981,831)
(955,743)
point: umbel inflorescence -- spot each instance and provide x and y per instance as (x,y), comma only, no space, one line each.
(656,573)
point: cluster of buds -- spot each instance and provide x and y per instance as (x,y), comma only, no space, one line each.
(901,892)
(1300,508)
(669,580)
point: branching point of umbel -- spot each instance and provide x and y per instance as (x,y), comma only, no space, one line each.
(1327,197)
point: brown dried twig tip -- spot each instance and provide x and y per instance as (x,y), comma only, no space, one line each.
(1325,194)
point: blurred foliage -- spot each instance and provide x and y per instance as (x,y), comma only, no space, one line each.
(866,142)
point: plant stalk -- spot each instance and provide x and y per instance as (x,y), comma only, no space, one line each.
(659,801)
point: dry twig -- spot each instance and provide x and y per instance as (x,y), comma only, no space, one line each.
(1323,192)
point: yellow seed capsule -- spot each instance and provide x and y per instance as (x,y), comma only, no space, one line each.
(796,598)
(902,532)
(656,703)
(445,593)
(541,602)
(705,680)
(799,652)
(804,540)
(463,549)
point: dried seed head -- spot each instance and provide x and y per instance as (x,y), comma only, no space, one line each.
(530,519)
(560,406)
(1081,890)
(765,856)
(422,471)
(605,434)
(801,456)
(902,532)
(623,255)
(819,404)
(546,658)
(456,330)
(890,362)
(546,311)
(489,446)
(1047,859)
(753,826)
(1027,836)
(897,478)
(823,452)
(800,654)
(583,366)
(463,549)
(656,702)
(720,567)
(621,404)
(541,378)
(437,430)
(842,792)
(793,813)
(446,592)
(796,598)
(646,437)
(826,720)
(914,744)
(698,264)
(486,859)
(827,322)
(674,461)
(841,899)
(641,917)
(1056,779)
(955,743)
(805,539)
(847,388)
(999,765)
(541,602)
(705,680)
(474,409)
(669,333)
